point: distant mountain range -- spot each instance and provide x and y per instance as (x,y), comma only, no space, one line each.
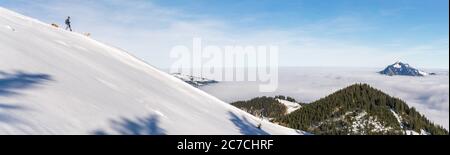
(356,110)
(400,68)
(193,80)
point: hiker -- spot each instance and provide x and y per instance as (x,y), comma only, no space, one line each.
(68,24)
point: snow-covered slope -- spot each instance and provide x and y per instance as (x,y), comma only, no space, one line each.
(58,82)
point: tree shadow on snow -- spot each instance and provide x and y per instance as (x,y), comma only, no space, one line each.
(246,127)
(4,117)
(10,83)
(141,126)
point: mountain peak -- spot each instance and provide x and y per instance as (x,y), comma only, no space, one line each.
(360,109)
(400,68)
(400,64)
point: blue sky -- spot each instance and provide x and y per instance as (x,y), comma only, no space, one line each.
(353,33)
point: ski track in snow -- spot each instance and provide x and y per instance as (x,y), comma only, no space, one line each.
(62,43)
(81,48)
(291,106)
(109,84)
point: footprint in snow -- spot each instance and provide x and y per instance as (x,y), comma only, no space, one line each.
(81,48)
(10,28)
(62,43)
(159,113)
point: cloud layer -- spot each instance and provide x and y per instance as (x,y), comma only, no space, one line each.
(429,95)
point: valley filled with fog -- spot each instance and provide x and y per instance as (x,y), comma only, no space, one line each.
(428,94)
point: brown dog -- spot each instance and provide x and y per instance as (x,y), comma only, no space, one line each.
(55,25)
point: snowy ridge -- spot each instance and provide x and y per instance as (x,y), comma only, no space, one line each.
(58,82)
(193,80)
(291,106)
(399,120)
(408,132)
(362,120)
(360,123)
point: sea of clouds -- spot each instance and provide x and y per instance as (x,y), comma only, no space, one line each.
(429,94)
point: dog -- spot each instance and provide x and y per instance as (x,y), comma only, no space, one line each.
(55,25)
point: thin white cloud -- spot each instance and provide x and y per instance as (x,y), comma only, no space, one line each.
(150,31)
